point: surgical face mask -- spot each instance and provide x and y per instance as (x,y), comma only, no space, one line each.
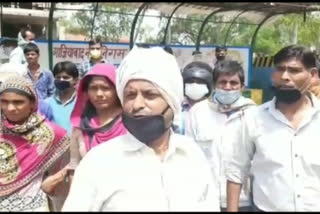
(226,97)
(146,129)
(62,84)
(95,54)
(196,91)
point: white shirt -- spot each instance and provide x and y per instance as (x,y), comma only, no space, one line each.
(285,161)
(207,127)
(126,175)
(17,56)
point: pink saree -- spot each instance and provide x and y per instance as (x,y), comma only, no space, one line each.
(28,149)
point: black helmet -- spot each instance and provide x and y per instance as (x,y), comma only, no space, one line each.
(199,70)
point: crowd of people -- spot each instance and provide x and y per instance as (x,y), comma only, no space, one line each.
(151,136)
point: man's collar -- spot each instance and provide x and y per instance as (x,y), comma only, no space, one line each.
(92,63)
(132,144)
(57,97)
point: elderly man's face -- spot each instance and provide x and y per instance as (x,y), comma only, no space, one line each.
(142,98)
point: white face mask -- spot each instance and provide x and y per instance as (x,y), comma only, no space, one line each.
(226,97)
(196,91)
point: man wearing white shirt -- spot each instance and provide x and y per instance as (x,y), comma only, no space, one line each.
(151,168)
(278,142)
(207,119)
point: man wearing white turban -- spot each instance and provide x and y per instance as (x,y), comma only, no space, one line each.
(150,168)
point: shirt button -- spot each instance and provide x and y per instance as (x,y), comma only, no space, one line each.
(297,175)
(296,155)
(298,196)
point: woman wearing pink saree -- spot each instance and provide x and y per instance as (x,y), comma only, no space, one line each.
(96,117)
(32,150)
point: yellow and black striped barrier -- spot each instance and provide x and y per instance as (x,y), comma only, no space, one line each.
(266,61)
(263,61)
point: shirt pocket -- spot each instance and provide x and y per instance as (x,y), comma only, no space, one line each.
(313,160)
(203,135)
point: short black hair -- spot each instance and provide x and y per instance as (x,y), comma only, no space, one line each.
(24,31)
(221,48)
(300,53)
(168,49)
(97,40)
(66,66)
(229,67)
(31,47)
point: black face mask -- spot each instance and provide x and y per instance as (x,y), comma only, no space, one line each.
(62,85)
(287,95)
(145,129)
(220,58)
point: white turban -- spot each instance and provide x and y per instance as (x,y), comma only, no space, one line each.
(157,66)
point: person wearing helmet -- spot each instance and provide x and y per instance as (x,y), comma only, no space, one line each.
(197,78)
(207,120)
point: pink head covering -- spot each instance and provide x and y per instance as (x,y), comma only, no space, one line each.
(108,71)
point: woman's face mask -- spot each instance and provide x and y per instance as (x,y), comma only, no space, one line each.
(226,97)
(196,91)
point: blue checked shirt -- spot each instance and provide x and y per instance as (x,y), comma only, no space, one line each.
(86,66)
(45,85)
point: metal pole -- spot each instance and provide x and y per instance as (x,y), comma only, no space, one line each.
(233,21)
(1,21)
(94,17)
(134,24)
(253,41)
(168,24)
(50,25)
(136,33)
(203,24)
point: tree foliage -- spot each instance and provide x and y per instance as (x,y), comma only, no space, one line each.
(112,26)
(110,23)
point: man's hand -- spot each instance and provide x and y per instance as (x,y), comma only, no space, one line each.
(51,182)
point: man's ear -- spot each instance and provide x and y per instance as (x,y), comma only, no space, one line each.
(314,73)
(242,87)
